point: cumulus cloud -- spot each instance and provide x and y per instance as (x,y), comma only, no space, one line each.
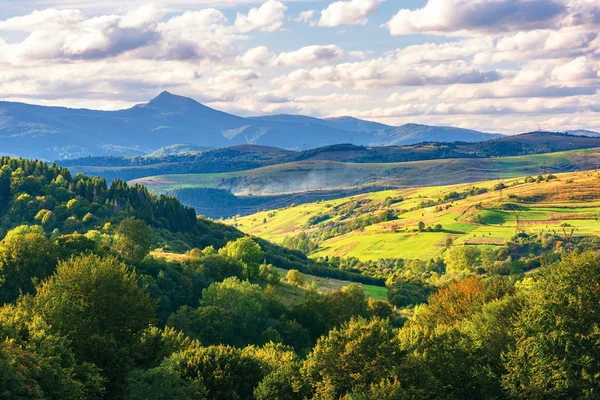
(496,62)
(384,73)
(309,55)
(256,56)
(489,16)
(267,18)
(305,16)
(581,68)
(68,34)
(420,95)
(352,12)
(202,34)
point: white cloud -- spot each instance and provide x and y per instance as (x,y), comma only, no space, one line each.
(358,54)
(581,68)
(506,74)
(256,56)
(353,12)
(202,34)
(421,95)
(267,18)
(44,19)
(305,16)
(309,55)
(489,16)
(384,73)
(67,34)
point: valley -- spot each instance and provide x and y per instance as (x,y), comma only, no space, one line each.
(300,200)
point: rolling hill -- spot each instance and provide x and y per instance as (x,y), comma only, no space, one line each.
(187,159)
(475,214)
(62,133)
(311,175)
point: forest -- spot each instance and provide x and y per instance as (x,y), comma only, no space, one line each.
(90,312)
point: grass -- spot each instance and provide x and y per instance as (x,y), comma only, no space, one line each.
(482,220)
(326,285)
(376,292)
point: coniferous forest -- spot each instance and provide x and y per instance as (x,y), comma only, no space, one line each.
(89,312)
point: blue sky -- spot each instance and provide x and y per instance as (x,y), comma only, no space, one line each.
(495,65)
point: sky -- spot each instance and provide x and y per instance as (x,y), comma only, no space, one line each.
(504,66)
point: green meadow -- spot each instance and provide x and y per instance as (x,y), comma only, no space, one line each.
(568,204)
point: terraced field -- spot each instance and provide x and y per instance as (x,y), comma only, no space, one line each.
(569,204)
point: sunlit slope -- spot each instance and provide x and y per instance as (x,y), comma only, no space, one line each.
(321,174)
(571,201)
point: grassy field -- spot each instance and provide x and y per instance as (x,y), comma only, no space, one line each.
(572,201)
(319,174)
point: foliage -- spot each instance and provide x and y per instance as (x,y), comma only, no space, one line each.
(132,240)
(26,256)
(556,354)
(99,306)
(358,354)
(246,251)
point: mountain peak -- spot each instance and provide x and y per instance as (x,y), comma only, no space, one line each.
(167,101)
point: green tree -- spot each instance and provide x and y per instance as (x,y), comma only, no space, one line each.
(358,354)
(49,220)
(557,334)
(100,307)
(462,259)
(245,303)
(215,372)
(209,325)
(269,274)
(132,240)
(295,278)
(248,252)
(36,363)
(26,256)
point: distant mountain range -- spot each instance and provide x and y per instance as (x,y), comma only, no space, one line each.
(55,133)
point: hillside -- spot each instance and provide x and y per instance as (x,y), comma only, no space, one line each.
(327,175)
(35,193)
(484,216)
(244,157)
(87,311)
(177,149)
(53,133)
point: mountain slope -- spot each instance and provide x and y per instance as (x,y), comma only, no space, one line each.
(245,157)
(415,133)
(62,133)
(583,132)
(177,149)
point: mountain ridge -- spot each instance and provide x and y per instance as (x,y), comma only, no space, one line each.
(54,133)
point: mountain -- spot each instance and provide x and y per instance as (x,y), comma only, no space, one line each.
(62,133)
(177,149)
(342,123)
(415,133)
(583,132)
